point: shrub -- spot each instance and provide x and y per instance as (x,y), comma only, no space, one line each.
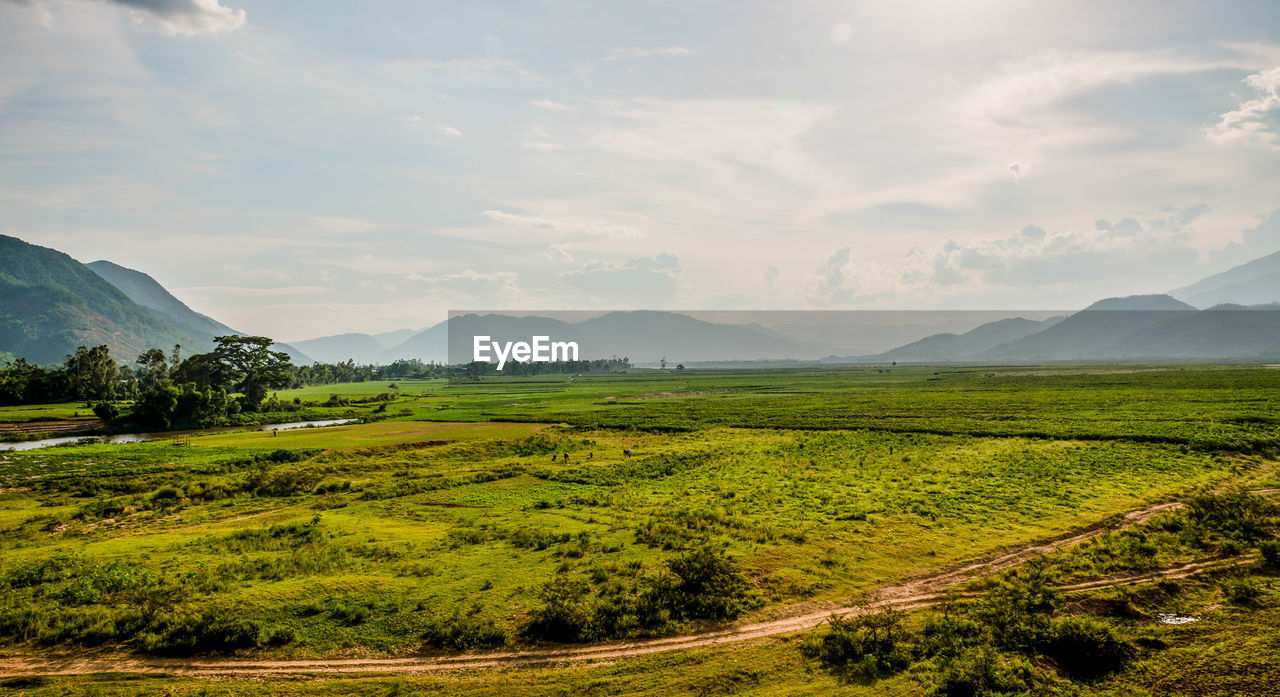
(459,631)
(709,585)
(106,411)
(563,615)
(865,647)
(1018,610)
(982,671)
(1239,515)
(1270,550)
(187,632)
(350,613)
(1241,591)
(1086,647)
(167,493)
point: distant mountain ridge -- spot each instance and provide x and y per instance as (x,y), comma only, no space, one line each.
(147,292)
(1149,327)
(950,348)
(361,348)
(1254,283)
(644,336)
(50,304)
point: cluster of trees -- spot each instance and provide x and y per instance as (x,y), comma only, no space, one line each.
(88,374)
(170,391)
(196,392)
(476,369)
(167,389)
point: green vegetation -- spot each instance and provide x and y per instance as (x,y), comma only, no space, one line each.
(1022,634)
(506,512)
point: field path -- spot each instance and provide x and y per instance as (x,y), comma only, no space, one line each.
(912,594)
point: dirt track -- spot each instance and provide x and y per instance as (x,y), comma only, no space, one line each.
(908,595)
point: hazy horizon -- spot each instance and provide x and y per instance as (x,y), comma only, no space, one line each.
(308,169)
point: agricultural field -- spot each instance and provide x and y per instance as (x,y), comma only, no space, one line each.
(511,515)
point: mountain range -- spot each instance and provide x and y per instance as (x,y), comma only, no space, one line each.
(1254,283)
(51,303)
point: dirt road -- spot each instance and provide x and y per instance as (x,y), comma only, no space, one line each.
(909,595)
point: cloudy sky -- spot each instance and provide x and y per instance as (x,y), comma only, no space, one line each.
(305,168)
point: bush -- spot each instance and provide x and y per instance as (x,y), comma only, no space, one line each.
(350,613)
(981,671)
(106,411)
(1018,610)
(464,632)
(1088,648)
(1239,516)
(1241,591)
(709,585)
(1270,554)
(563,615)
(864,647)
(185,633)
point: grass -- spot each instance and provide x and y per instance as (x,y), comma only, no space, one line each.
(819,484)
(47,412)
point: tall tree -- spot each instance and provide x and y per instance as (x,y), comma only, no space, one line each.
(154,367)
(92,373)
(249,366)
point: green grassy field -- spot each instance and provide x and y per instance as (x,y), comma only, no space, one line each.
(40,412)
(442,525)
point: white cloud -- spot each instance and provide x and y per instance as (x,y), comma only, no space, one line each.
(471,288)
(184,17)
(247,291)
(441,130)
(1027,85)
(169,17)
(562,225)
(549,105)
(473,70)
(541,145)
(338,225)
(669,51)
(641,282)
(1255,122)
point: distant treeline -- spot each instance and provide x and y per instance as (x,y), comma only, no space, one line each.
(170,390)
(477,369)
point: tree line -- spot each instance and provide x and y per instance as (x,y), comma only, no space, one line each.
(204,389)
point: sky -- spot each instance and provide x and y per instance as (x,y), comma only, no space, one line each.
(299,169)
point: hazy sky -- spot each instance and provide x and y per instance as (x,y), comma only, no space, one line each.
(308,168)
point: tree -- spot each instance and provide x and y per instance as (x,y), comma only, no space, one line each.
(249,366)
(153,367)
(92,373)
(203,369)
